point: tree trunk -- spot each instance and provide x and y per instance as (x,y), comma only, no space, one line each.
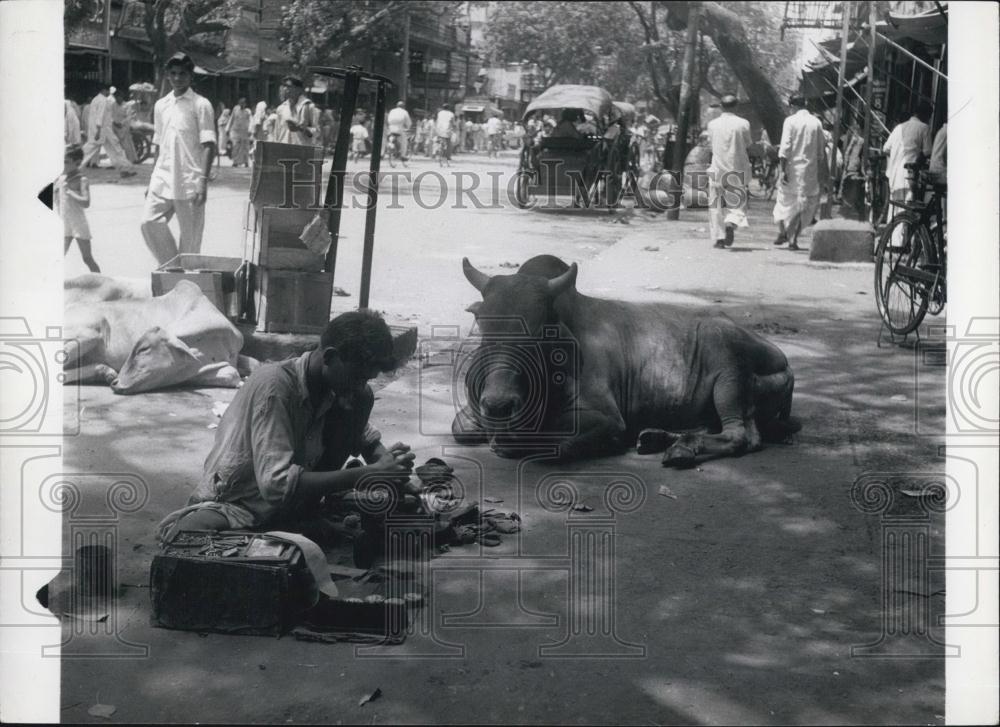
(684,107)
(726,29)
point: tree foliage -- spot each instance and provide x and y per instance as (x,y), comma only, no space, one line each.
(314,32)
(572,42)
(174,25)
(76,12)
(635,48)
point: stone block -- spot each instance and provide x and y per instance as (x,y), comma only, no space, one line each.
(842,241)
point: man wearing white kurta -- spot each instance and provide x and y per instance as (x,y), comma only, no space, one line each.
(728,174)
(399,123)
(298,117)
(804,171)
(101,134)
(908,141)
(184,133)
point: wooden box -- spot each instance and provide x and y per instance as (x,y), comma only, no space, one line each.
(276,232)
(293,301)
(216,276)
(269,186)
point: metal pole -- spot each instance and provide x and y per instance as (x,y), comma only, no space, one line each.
(404,86)
(868,90)
(845,28)
(334,200)
(366,259)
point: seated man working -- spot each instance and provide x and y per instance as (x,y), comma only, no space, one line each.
(282,442)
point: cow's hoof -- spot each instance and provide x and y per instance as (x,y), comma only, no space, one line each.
(107,373)
(679,457)
(653,441)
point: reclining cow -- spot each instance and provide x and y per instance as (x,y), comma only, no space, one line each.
(141,344)
(708,387)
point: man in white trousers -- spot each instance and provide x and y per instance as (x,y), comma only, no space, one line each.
(729,173)
(185,137)
(101,134)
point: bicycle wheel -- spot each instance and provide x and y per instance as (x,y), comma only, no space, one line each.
(904,252)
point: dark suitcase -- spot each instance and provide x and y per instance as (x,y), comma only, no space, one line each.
(229,582)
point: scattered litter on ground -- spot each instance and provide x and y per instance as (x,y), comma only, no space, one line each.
(507,264)
(219,408)
(652,287)
(651,248)
(171,414)
(666,492)
(583,508)
(817,610)
(371,697)
(899,397)
(340,292)
(836,673)
(213,426)
(102,710)
(862,292)
(262,667)
(493,500)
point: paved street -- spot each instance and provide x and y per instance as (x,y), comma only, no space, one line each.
(737,600)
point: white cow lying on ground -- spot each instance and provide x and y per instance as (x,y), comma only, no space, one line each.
(141,344)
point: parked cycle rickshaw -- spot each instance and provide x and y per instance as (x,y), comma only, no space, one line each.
(585,160)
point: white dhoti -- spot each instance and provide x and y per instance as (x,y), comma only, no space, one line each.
(794,204)
(726,206)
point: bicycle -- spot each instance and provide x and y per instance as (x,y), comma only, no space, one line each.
(877,188)
(911,259)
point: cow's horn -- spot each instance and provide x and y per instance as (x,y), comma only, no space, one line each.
(477,278)
(564,282)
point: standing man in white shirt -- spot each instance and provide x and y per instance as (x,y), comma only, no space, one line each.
(804,171)
(184,134)
(298,117)
(444,125)
(399,123)
(908,141)
(728,174)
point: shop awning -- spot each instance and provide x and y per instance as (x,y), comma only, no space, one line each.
(929,28)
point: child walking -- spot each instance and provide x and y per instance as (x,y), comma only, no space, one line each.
(72,197)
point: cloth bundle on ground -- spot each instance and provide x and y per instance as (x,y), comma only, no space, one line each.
(141,344)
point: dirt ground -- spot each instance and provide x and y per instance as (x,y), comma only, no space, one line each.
(738,599)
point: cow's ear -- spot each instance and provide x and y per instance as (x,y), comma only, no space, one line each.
(564,282)
(473,308)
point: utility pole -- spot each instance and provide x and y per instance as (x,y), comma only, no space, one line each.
(869,87)
(684,107)
(845,28)
(404,77)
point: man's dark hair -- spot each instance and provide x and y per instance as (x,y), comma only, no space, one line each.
(360,337)
(923,111)
(293,80)
(74,152)
(798,102)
